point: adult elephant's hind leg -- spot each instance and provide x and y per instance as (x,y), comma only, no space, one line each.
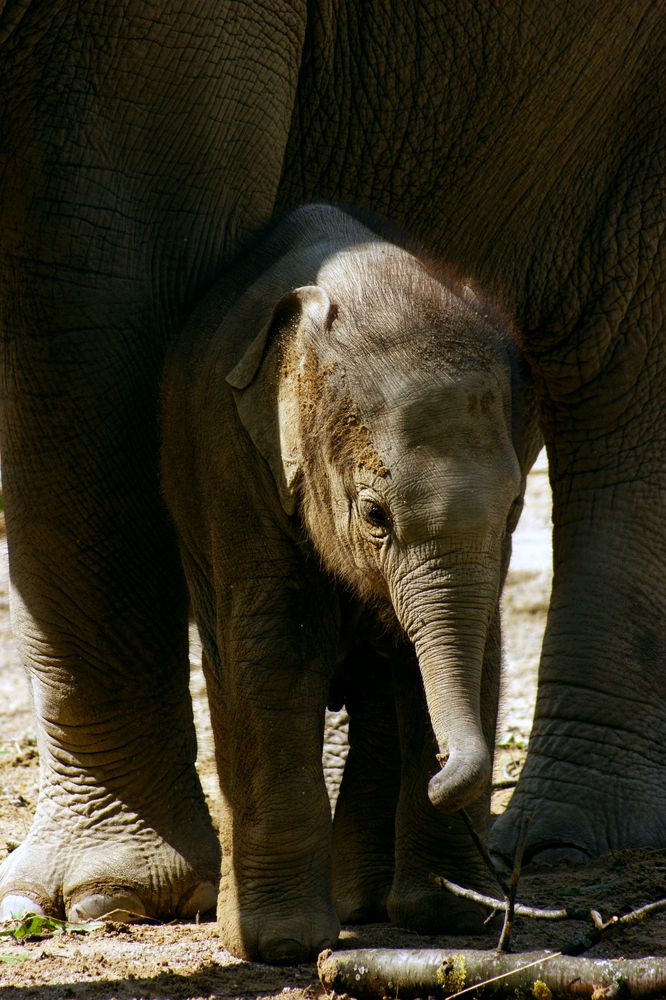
(100,608)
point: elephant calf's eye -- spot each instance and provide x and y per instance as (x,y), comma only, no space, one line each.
(375,517)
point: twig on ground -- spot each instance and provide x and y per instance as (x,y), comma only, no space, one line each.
(603,929)
(578,945)
(520,909)
(500,786)
(508,890)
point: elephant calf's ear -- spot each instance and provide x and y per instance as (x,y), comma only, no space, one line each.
(267,398)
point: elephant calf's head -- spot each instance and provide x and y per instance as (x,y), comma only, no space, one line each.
(392,414)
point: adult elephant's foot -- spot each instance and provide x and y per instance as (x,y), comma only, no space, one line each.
(593,780)
(80,868)
(591,796)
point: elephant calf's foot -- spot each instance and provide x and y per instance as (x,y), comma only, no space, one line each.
(362,907)
(100,870)
(436,844)
(297,933)
(361,897)
(427,909)
(363,865)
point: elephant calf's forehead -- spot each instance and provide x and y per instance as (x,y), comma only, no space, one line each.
(396,315)
(416,406)
(380,280)
(425,382)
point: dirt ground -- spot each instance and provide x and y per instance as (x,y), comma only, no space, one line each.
(186,961)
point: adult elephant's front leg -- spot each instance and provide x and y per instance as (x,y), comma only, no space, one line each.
(100,605)
(268,689)
(594,779)
(595,776)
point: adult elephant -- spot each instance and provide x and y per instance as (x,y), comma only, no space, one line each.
(140,143)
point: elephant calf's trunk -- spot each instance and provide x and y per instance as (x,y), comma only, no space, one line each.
(450,651)
(464,776)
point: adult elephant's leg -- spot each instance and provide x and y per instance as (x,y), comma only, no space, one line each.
(364,823)
(139,144)
(100,607)
(594,776)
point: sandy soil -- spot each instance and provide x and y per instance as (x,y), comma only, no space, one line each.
(186,960)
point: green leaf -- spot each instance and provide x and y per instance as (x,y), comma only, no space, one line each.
(511,740)
(11,957)
(31,926)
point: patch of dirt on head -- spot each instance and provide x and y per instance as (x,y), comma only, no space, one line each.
(186,961)
(329,414)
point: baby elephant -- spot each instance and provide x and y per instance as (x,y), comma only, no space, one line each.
(345,444)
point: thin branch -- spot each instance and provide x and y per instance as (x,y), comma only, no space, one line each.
(500,786)
(510,908)
(504,943)
(641,913)
(602,930)
(122,916)
(520,910)
(579,944)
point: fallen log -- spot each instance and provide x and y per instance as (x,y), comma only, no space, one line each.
(408,973)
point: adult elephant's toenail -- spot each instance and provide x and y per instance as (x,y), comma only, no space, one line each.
(123,906)
(202,899)
(17,905)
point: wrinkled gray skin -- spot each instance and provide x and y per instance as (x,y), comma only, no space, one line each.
(141,143)
(347,432)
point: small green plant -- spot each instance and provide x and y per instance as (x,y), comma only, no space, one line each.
(511,740)
(33,926)
(14,956)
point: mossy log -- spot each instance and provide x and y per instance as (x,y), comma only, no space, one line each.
(404,973)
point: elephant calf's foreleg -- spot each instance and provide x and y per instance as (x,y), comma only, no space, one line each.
(268,704)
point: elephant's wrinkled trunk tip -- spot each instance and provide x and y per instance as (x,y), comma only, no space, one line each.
(463,778)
